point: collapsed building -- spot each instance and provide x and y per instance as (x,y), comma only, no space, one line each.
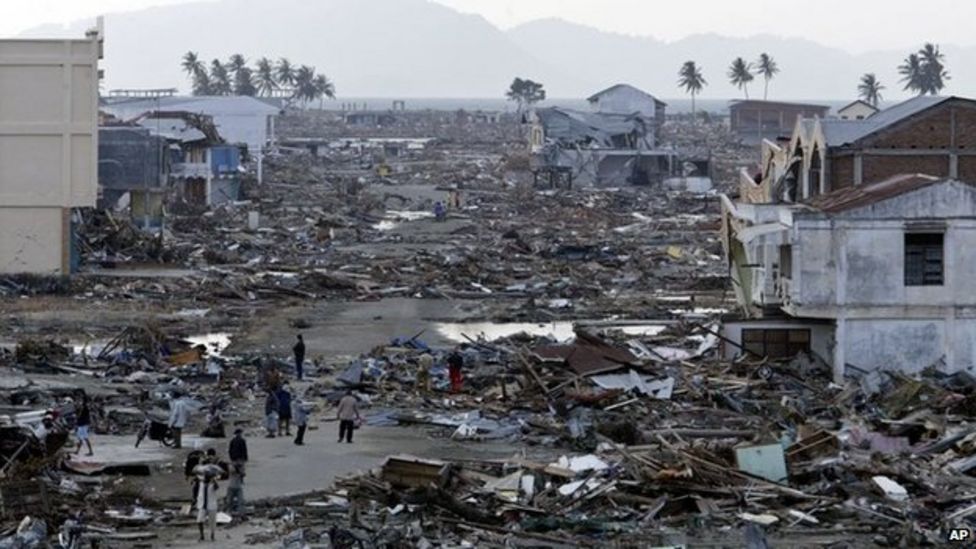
(244,121)
(48,148)
(854,242)
(615,144)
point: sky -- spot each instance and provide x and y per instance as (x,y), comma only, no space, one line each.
(855,26)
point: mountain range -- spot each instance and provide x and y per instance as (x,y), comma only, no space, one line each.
(418,48)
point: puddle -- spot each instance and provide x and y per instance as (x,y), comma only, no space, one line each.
(214,342)
(560,331)
(393,218)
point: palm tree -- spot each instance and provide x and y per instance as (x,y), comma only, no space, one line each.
(236,63)
(191,63)
(244,82)
(285,72)
(768,68)
(265,77)
(690,78)
(740,74)
(323,88)
(934,73)
(911,72)
(870,89)
(305,90)
(201,83)
(219,78)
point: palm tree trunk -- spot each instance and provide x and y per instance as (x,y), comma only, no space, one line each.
(766,89)
(746,90)
(693,108)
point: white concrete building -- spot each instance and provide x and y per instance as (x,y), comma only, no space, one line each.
(48,148)
(626,99)
(239,119)
(857,110)
(874,277)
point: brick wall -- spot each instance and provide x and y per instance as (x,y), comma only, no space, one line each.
(967,169)
(879,168)
(841,172)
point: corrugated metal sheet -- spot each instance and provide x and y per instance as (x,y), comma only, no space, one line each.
(841,132)
(850,198)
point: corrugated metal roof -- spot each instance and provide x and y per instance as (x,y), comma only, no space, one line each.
(850,198)
(842,132)
(739,103)
(596,95)
(571,126)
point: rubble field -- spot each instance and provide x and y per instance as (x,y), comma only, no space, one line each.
(596,408)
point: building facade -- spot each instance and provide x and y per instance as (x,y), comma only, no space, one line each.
(48,148)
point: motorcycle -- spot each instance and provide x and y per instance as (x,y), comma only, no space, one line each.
(156,430)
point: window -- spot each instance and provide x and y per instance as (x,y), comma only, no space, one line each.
(776,342)
(786,260)
(924,259)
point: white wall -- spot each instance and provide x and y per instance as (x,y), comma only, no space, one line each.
(48,147)
(31,240)
(624,100)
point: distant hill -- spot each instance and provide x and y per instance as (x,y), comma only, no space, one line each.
(417,48)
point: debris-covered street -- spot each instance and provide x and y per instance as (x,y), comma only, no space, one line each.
(260,315)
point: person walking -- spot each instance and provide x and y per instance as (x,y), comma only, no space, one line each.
(301,410)
(299,350)
(237,449)
(179,415)
(271,413)
(206,503)
(454,364)
(347,413)
(83,426)
(284,410)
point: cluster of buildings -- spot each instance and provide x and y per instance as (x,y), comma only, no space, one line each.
(63,147)
(855,241)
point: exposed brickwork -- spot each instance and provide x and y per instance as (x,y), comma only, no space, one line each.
(967,168)
(879,168)
(841,172)
(931,130)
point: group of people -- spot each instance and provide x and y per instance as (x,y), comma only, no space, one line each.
(455,366)
(453,202)
(205,470)
(281,408)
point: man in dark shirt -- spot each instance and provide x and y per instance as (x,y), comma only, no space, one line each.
(237,452)
(299,350)
(83,426)
(454,363)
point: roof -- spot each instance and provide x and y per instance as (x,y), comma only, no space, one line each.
(588,355)
(841,132)
(205,104)
(571,126)
(738,103)
(614,87)
(175,129)
(850,198)
(856,103)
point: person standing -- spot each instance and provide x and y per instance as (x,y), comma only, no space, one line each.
(234,500)
(271,413)
(301,420)
(454,364)
(83,427)
(299,350)
(206,503)
(237,450)
(284,410)
(179,415)
(424,363)
(347,413)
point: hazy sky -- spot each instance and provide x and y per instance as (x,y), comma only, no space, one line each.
(852,25)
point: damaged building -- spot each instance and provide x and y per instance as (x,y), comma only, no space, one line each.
(754,120)
(240,120)
(48,148)
(854,243)
(615,144)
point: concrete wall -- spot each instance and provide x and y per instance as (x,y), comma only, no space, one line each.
(911,345)
(34,239)
(48,147)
